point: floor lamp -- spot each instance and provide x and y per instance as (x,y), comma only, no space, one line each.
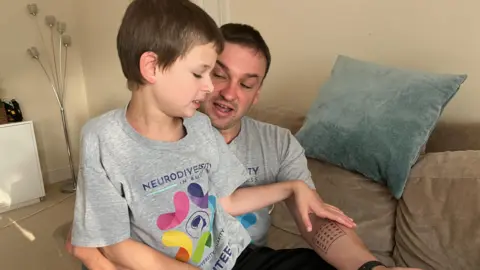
(56,75)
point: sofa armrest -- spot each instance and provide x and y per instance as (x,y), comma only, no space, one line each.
(439,213)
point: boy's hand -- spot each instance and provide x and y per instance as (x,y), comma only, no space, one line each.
(308,201)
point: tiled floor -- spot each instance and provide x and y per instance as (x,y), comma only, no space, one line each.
(31,237)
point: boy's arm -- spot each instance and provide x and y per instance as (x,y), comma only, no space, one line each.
(137,256)
(101,215)
(92,258)
(127,255)
(305,199)
(248,199)
(231,174)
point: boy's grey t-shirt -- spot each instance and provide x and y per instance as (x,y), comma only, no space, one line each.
(271,154)
(163,194)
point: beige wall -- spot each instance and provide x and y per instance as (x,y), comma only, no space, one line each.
(24,80)
(99,21)
(305,36)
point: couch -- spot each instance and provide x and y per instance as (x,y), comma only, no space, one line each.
(434,225)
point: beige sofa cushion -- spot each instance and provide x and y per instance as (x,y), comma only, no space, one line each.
(367,202)
(438,218)
(280,116)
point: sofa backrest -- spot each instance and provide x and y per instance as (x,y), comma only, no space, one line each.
(445,137)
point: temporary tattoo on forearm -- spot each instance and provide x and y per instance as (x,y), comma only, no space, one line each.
(326,234)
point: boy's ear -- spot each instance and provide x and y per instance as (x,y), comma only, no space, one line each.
(148,66)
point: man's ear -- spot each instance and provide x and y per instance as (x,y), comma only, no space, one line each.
(148,66)
(257,96)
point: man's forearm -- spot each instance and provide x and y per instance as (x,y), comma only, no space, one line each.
(133,255)
(336,244)
(249,199)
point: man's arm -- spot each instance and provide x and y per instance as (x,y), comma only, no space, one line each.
(336,244)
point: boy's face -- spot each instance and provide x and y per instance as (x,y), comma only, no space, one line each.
(179,90)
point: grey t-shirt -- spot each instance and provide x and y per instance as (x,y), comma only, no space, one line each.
(271,154)
(163,194)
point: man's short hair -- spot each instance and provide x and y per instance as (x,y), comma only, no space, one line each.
(168,28)
(248,36)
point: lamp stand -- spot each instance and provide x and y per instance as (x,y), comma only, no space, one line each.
(70,187)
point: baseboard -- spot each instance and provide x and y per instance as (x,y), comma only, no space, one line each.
(58,175)
(5,208)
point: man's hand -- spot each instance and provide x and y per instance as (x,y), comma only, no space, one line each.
(308,201)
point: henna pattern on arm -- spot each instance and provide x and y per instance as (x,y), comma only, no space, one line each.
(326,234)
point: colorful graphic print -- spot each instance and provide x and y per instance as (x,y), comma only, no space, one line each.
(248,220)
(199,225)
(172,220)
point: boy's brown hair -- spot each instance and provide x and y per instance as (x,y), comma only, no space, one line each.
(168,28)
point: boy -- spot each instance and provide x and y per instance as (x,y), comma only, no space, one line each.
(156,179)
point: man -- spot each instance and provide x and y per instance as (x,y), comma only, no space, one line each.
(271,154)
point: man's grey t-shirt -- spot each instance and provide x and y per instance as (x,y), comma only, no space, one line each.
(163,194)
(271,154)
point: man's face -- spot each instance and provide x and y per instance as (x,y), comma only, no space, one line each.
(237,79)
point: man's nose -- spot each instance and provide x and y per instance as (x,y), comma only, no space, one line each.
(229,92)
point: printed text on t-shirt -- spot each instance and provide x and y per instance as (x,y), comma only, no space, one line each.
(189,173)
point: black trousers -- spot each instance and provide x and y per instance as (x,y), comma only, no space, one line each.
(265,258)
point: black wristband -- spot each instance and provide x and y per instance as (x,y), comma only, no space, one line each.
(370,265)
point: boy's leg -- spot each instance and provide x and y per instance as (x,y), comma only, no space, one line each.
(265,258)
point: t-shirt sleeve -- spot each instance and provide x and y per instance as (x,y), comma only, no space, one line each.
(230,173)
(101,216)
(293,163)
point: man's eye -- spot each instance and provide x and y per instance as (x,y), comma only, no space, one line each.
(246,86)
(197,76)
(216,75)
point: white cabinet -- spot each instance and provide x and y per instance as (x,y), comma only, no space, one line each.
(21,181)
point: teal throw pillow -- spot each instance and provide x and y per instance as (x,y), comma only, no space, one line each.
(374,119)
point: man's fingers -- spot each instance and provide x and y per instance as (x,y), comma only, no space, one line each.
(335,209)
(307,222)
(335,216)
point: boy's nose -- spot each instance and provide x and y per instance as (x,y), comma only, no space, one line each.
(208,86)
